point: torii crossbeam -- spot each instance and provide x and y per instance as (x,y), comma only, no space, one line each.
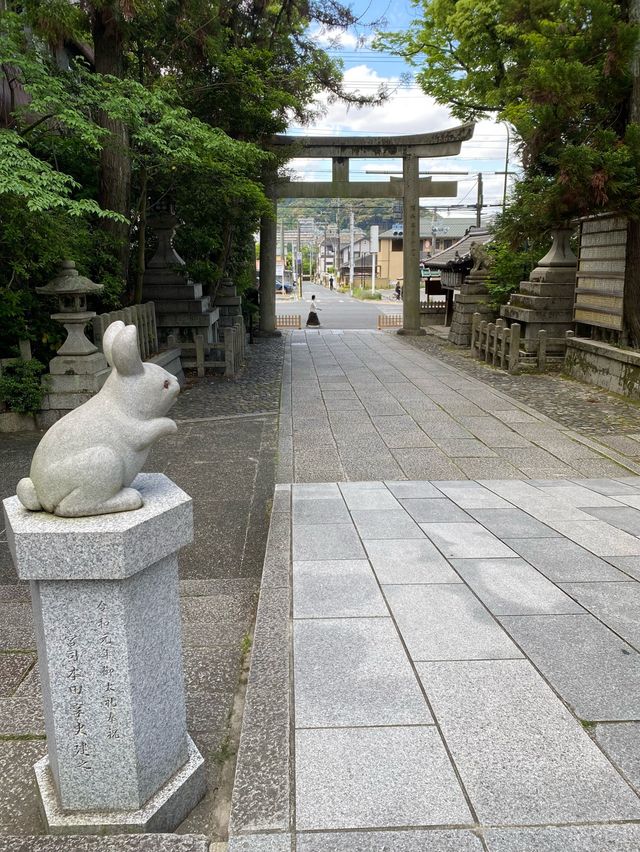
(442,143)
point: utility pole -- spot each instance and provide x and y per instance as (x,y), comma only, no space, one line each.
(351,247)
(506,169)
(299,263)
(282,254)
(479,201)
(338,256)
(324,252)
(373,248)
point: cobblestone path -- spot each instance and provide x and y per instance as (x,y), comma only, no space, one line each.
(256,390)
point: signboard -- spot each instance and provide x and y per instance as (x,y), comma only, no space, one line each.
(374,248)
(279,269)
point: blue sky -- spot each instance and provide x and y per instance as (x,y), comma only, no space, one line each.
(408,110)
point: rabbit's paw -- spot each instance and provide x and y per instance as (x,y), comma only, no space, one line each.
(78,503)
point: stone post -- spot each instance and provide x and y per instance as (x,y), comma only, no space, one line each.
(105,601)
(268,247)
(411,248)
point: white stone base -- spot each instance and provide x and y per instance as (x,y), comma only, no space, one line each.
(163,812)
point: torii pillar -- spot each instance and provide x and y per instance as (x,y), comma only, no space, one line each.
(268,248)
(411,247)
(411,188)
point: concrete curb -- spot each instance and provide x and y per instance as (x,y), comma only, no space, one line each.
(261,804)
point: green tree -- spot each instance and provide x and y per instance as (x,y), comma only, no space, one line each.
(559,72)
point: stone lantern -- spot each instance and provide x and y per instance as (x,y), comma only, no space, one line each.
(79,369)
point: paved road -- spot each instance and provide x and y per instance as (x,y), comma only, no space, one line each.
(337,310)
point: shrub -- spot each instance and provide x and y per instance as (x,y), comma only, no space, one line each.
(20,386)
(361,293)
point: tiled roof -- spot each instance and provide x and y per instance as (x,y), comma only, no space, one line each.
(458,253)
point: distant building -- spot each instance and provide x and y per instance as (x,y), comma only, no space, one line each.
(436,233)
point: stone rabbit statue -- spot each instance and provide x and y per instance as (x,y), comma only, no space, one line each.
(86,462)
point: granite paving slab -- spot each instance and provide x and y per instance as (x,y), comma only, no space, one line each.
(592,838)
(413,489)
(326,541)
(408,561)
(331,510)
(336,589)
(447,622)
(385,523)
(615,604)
(599,537)
(512,587)
(623,518)
(580,497)
(369,499)
(562,560)
(512,523)
(465,540)
(594,671)
(472,495)
(354,672)
(620,741)
(432,510)
(435,840)
(376,778)
(280,842)
(522,757)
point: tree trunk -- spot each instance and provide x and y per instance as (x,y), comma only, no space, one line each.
(632,268)
(115,165)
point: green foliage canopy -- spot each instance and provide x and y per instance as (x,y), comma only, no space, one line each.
(558,71)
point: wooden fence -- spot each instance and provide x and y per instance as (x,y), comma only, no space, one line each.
(496,343)
(233,346)
(389,321)
(288,321)
(430,307)
(144,319)
(499,344)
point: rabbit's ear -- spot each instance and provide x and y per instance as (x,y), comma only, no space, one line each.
(108,337)
(124,352)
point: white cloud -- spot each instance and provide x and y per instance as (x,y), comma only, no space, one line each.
(334,37)
(408,110)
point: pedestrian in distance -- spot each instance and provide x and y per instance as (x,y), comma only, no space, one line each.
(312,319)
(398,291)
(331,282)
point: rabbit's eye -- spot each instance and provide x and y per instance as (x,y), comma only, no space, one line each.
(166,384)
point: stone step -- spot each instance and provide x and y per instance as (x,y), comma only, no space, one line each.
(541,303)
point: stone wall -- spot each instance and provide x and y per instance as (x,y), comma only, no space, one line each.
(606,366)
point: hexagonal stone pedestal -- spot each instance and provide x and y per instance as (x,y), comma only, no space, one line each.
(106,608)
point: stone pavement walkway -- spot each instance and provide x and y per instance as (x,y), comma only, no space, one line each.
(362,405)
(465,673)
(447,660)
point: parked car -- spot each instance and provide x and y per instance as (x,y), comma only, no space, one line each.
(281,286)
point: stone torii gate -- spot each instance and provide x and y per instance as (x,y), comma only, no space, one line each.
(411,187)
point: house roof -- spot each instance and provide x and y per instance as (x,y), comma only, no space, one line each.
(458,255)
